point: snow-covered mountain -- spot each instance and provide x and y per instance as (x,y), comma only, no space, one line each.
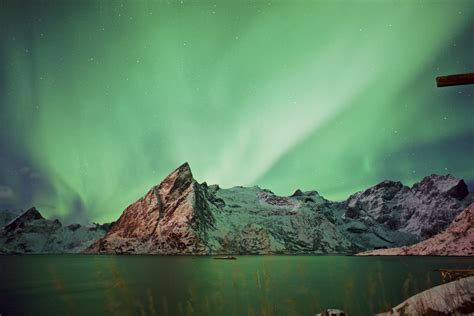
(182,216)
(456,240)
(423,210)
(29,232)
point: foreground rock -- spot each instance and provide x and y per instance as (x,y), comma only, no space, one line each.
(456,240)
(181,216)
(453,298)
(30,232)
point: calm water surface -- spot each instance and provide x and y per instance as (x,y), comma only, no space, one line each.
(250,285)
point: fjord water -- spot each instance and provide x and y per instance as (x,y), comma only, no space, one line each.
(250,285)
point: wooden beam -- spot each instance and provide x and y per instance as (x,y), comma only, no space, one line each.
(455,80)
(448,275)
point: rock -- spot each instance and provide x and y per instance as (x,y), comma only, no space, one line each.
(453,298)
(298,192)
(352,212)
(459,191)
(456,240)
(104,227)
(73,227)
(252,239)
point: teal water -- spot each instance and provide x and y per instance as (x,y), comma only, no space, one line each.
(250,285)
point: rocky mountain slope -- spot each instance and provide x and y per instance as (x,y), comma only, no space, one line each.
(422,210)
(181,216)
(29,232)
(456,240)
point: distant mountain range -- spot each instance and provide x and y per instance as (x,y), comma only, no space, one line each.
(30,232)
(182,217)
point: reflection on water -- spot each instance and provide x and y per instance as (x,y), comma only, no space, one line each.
(250,285)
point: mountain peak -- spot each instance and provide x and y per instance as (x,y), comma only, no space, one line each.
(183,170)
(168,219)
(29,215)
(178,180)
(298,192)
(34,212)
(184,167)
(448,184)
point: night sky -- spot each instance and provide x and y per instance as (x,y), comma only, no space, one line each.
(100,100)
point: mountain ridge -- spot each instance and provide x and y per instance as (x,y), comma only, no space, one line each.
(456,240)
(180,216)
(29,232)
(195,218)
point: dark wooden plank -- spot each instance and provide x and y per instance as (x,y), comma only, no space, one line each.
(448,275)
(455,80)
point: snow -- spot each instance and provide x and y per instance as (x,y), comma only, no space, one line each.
(456,240)
(446,299)
(181,216)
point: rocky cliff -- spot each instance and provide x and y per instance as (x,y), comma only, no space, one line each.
(172,218)
(182,216)
(456,240)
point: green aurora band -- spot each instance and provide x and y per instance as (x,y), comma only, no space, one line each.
(105,98)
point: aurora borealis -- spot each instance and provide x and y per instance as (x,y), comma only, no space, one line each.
(100,100)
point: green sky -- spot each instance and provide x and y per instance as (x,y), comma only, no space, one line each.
(101,100)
